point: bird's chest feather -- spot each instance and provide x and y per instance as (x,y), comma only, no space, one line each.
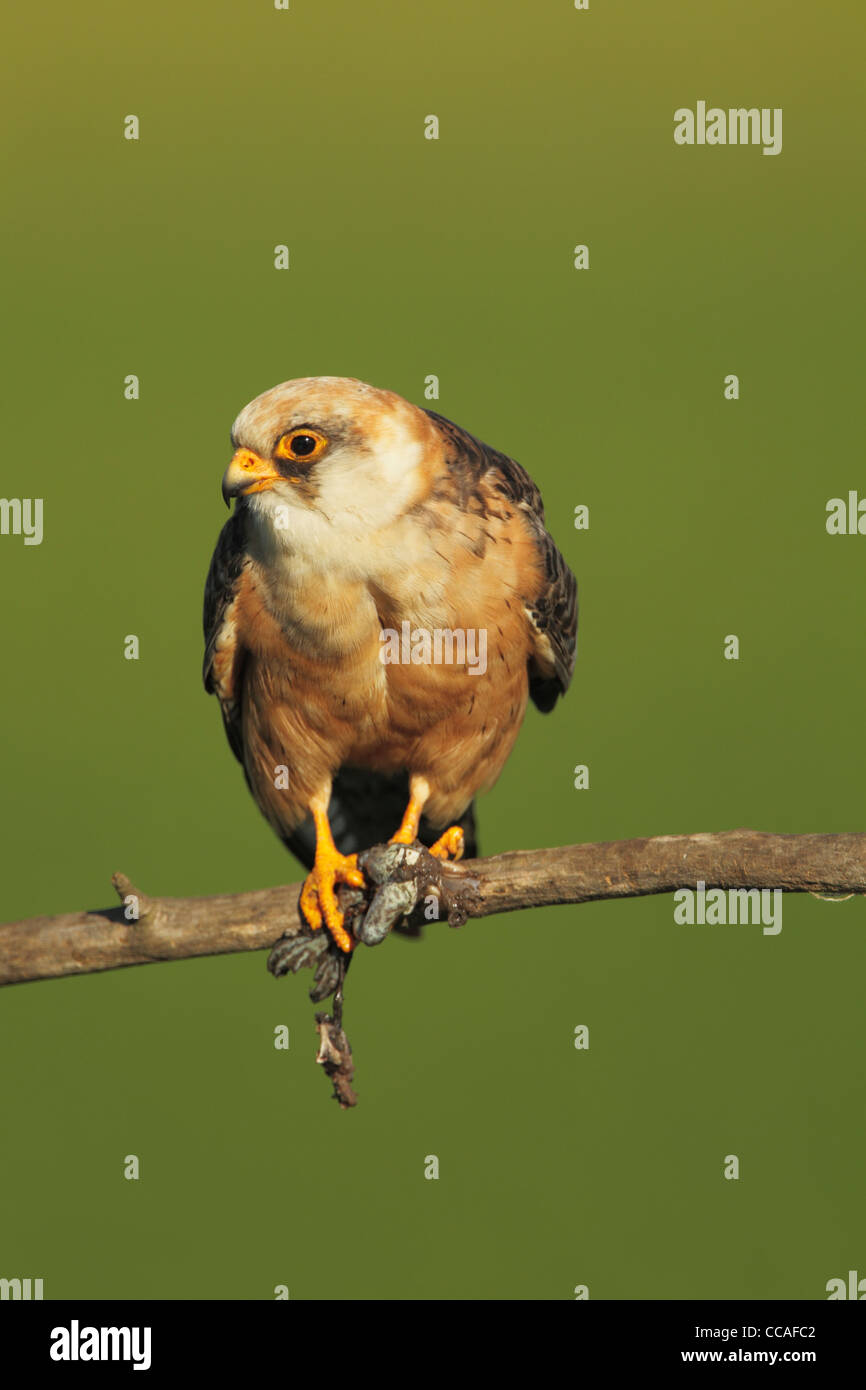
(312,646)
(366,667)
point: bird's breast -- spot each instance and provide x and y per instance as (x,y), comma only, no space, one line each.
(390,674)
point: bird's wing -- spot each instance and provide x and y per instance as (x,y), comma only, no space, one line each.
(552,612)
(224,654)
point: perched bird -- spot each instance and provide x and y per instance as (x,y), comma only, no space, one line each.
(364,527)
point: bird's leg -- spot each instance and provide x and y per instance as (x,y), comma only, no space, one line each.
(318,902)
(448,846)
(419,795)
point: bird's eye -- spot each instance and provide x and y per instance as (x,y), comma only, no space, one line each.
(303,445)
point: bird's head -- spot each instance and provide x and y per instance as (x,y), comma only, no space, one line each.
(335,452)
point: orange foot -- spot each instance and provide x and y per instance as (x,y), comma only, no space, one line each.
(318,902)
(450,845)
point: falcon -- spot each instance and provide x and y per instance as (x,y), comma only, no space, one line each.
(358,517)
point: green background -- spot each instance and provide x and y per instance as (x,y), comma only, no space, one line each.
(454,257)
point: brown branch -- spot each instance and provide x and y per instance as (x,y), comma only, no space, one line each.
(43,948)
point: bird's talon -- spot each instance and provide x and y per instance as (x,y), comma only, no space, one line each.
(450,845)
(318,901)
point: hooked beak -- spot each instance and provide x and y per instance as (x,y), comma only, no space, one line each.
(247,473)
